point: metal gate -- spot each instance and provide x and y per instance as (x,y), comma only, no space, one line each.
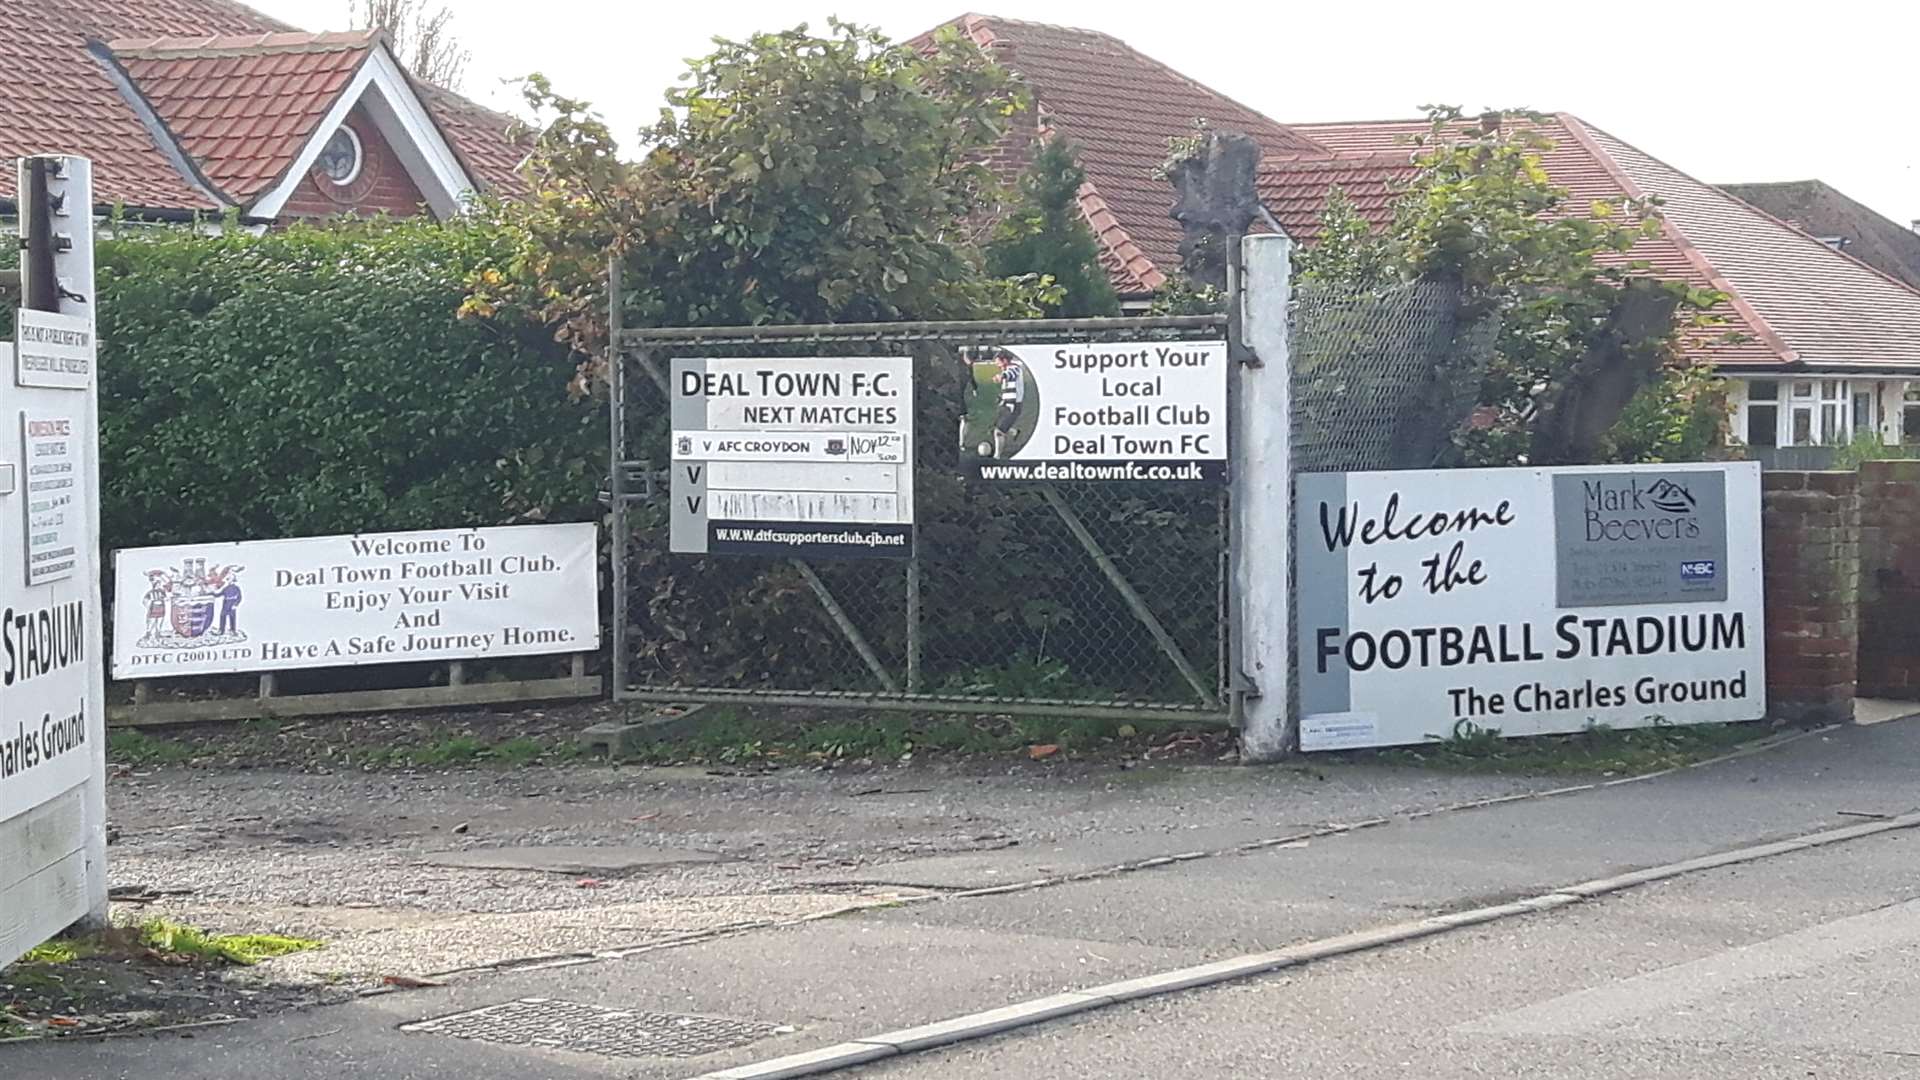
(1061,598)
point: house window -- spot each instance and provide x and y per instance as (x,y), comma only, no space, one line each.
(1866,424)
(1763,413)
(342,158)
(1910,418)
(1820,412)
(1805,419)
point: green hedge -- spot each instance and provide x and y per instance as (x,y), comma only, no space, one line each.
(316,380)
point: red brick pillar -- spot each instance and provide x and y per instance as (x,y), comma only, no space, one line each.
(1890,579)
(1810,527)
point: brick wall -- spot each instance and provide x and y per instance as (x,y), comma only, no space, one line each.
(1810,529)
(383,183)
(1890,579)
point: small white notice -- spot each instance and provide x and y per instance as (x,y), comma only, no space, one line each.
(54,352)
(53,510)
(334,601)
(793,457)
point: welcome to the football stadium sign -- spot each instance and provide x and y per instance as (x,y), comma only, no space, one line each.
(1526,601)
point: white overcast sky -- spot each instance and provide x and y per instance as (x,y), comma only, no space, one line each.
(1725,92)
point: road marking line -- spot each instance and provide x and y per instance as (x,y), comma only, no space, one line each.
(1040,1010)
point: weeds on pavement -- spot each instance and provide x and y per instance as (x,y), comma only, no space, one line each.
(1599,750)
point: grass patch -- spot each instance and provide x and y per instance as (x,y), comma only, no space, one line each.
(464,751)
(128,746)
(1598,750)
(732,737)
(190,943)
(61,951)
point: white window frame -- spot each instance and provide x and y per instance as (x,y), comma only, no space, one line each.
(1822,398)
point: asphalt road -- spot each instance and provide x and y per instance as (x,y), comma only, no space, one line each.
(1807,965)
(1799,965)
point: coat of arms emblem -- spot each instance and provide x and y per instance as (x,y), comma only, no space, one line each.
(193,606)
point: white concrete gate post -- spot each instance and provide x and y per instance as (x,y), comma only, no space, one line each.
(53,735)
(1262,502)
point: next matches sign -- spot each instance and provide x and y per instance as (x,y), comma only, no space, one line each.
(1527,601)
(793,457)
(1113,411)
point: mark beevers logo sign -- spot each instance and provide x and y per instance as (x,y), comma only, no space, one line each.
(1526,601)
(1112,411)
(1634,538)
(344,600)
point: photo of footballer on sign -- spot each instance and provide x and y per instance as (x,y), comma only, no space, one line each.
(1111,411)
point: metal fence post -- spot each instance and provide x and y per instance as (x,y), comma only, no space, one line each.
(617,469)
(913,623)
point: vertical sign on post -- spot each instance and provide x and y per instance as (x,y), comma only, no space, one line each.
(794,458)
(52,679)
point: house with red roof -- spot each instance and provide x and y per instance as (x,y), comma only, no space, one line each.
(1818,347)
(199,108)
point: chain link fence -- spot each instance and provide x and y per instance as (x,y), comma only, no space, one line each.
(1382,380)
(1068,598)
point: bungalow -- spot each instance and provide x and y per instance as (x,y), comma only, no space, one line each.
(1818,346)
(192,108)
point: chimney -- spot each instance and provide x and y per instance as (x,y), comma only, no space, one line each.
(1915,223)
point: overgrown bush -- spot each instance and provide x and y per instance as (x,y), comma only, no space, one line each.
(317,380)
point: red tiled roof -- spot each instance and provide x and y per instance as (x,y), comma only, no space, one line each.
(107,19)
(493,144)
(1590,175)
(1294,189)
(63,94)
(1826,307)
(58,98)
(1121,109)
(243,107)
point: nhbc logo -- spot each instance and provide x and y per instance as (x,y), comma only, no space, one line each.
(1624,509)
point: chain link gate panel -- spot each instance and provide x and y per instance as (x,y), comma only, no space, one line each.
(1062,598)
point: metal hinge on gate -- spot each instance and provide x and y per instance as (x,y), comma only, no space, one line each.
(638,480)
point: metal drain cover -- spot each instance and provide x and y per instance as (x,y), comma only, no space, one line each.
(590,1029)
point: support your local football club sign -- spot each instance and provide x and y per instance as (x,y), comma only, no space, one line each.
(335,601)
(1526,601)
(1108,411)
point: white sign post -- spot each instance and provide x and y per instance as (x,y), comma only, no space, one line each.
(793,458)
(1527,601)
(52,681)
(341,601)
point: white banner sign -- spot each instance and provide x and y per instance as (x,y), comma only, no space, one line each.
(1527,601)
(1120,411)
(332,601)
(53,351)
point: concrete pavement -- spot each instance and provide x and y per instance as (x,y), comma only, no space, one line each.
(925,961)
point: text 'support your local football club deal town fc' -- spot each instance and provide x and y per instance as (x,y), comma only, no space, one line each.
(793,458)
(1111,411)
